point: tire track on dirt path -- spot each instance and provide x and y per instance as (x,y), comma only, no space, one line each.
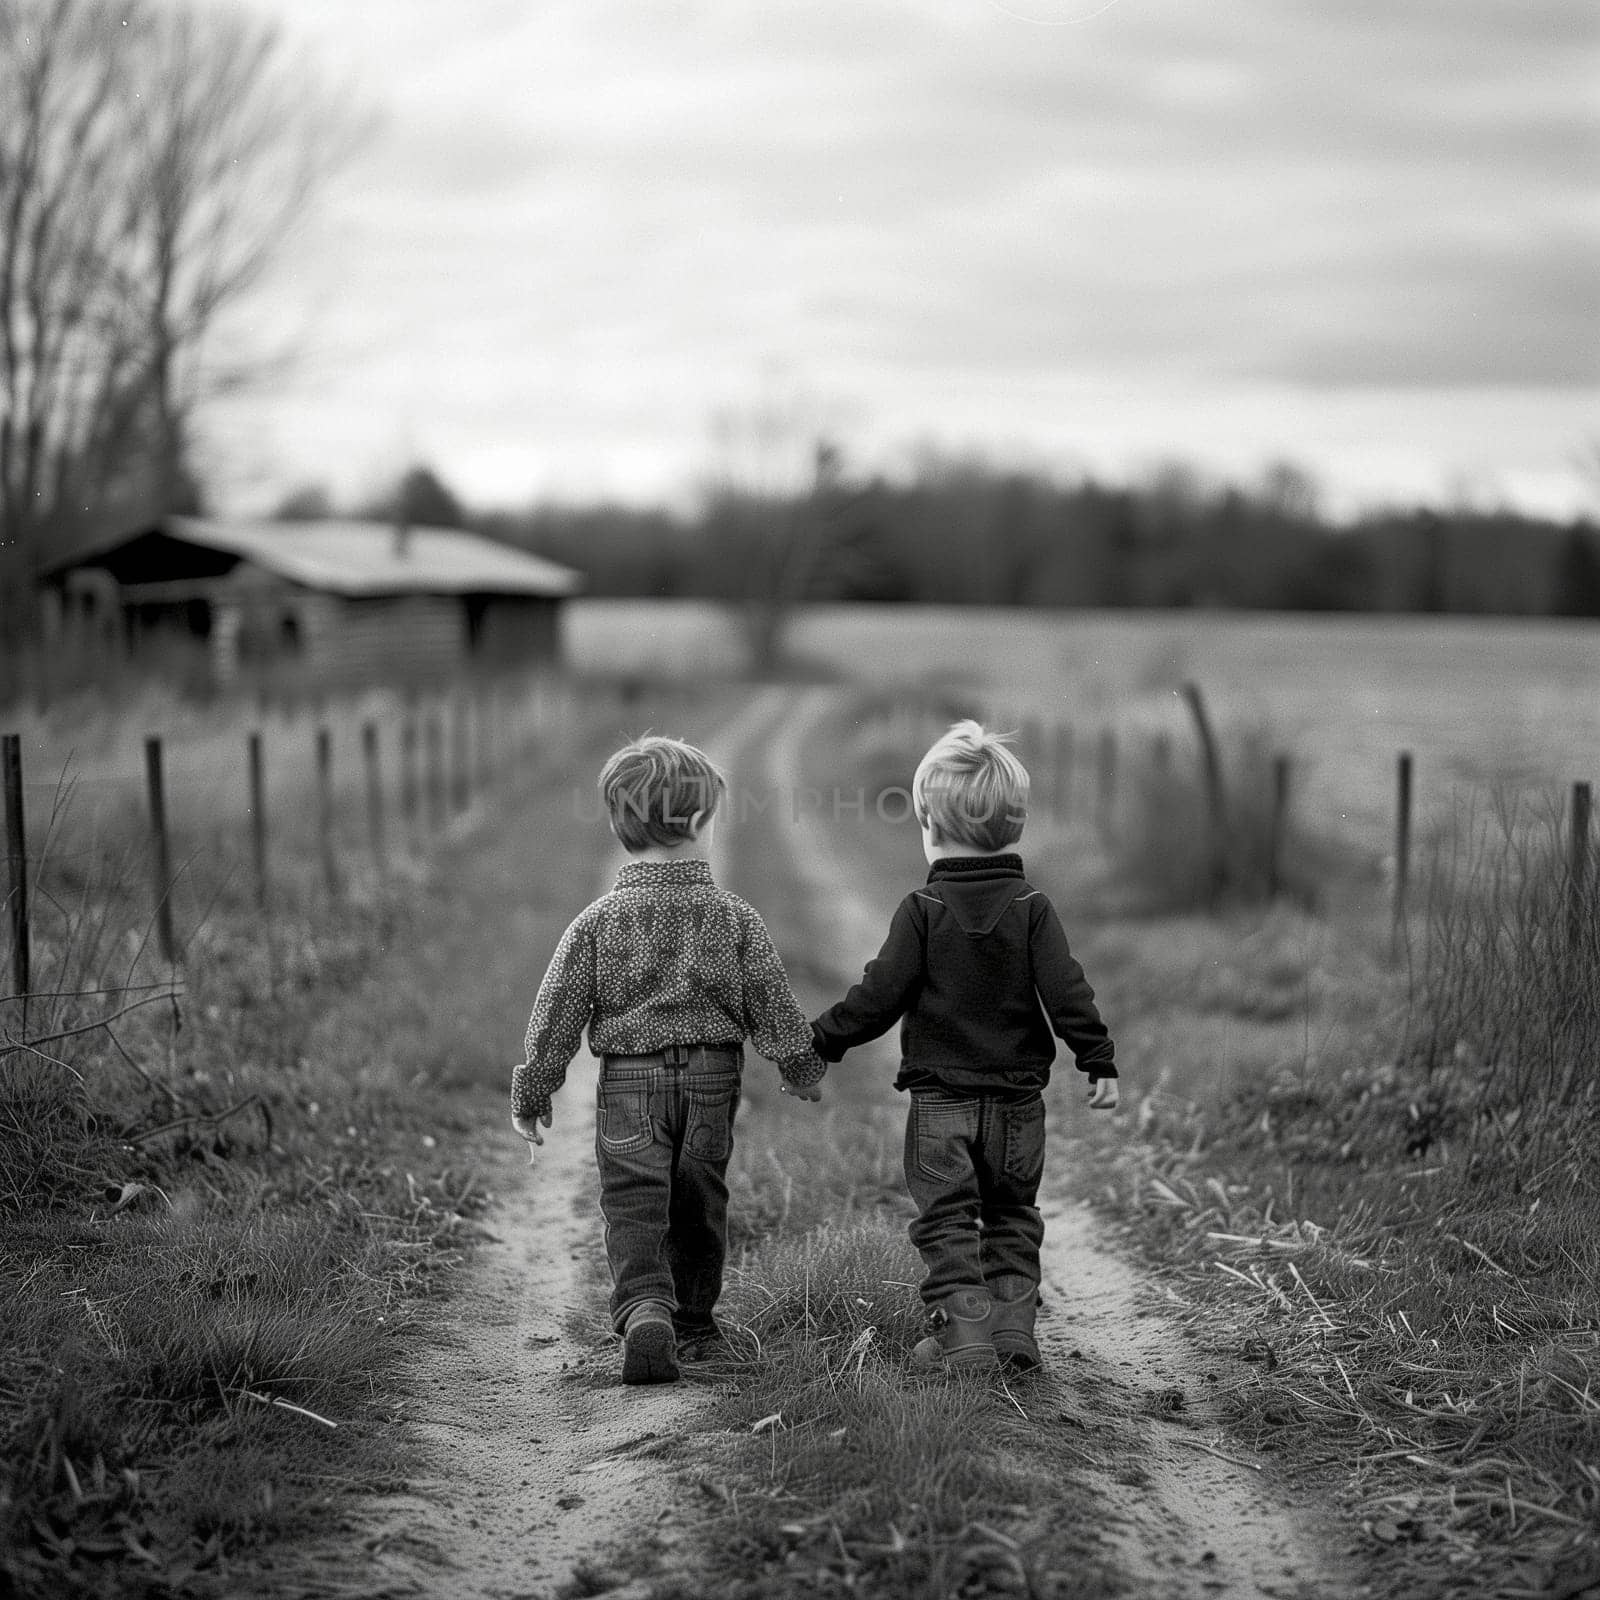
(542,1463)
(1187,1514)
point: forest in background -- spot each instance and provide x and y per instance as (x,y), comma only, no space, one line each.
(962,531)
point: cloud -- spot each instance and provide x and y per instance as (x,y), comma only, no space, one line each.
(590,220)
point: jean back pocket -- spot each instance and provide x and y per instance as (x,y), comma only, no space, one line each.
(709,1135)
(624,1119)
(942,1133)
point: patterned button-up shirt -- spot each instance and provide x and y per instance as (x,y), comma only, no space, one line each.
(665,958)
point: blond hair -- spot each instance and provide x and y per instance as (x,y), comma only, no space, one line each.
(659,791)
(971,789)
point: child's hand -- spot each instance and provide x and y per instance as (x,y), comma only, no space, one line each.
(1104,1096)
(528,1127)
(801,1091)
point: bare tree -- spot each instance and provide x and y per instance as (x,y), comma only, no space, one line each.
(63,358)
(1290,490)
(230,148)
(153,161)
(772,496)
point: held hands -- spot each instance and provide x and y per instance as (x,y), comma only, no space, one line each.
(1104,1096)
(801,1091)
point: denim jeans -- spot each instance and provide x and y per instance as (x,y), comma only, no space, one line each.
(663,1135)
(973,1166)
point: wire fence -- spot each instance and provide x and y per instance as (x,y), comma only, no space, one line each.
(111,873)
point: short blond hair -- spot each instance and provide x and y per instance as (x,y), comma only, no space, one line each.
(659,791)
(971,789)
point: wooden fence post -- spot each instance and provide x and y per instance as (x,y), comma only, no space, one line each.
(1061,793)
(17,855)
(160,850)
(460,771)
(483,737)
(524,728)
(369,751)
(434,737)
(1578,876)
(258,819)
(408,771)
(1402,846)
(1216,793)
(1279,825)
(1107,779)
(330,864)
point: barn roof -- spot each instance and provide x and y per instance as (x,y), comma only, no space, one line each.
(363,558)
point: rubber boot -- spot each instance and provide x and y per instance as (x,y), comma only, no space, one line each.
(649,1346)
(1011,1330)
(960,1336)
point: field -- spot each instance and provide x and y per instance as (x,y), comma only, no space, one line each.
(1480,702)
(1376,1239)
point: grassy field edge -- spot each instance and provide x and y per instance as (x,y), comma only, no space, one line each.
(221,1237)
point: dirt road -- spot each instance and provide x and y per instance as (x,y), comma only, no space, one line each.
(542,1463)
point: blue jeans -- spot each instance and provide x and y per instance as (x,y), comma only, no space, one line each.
(973,1166)
(663,1135)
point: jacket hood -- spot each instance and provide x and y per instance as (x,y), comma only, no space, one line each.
(978,889)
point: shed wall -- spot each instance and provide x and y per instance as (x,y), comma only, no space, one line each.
(511,630)
(397,639)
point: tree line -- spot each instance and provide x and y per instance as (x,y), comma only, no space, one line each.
(963,532)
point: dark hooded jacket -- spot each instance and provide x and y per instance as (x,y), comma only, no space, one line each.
(977,964)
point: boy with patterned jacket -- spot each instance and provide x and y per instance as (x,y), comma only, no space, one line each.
(670,975)
(977,965)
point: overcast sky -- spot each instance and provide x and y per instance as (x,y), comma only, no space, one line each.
(1364,234)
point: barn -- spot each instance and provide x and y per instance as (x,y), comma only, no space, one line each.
(219,604)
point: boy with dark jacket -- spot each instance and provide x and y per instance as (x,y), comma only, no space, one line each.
(976,963)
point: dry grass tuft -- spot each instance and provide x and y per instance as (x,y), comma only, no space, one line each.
(1388,1225)
(221,1198)
(836,1468)
(1176,854)
(1507,984)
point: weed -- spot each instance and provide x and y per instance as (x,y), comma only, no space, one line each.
(847,1472)
(1506,997)
(1387,1221)
(1179,851)
(222,1194)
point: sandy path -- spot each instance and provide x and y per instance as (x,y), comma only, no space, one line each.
(1186,1522)
(536,1466)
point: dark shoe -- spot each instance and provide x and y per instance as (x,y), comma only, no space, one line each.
(649,1346)
(960,1335)
(1011,1331)
(700,1341)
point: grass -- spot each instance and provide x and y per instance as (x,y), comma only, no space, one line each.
(1370,1188)
(825,1465)
(1169,849)
(192,1319)
(1377,1207)
(1472,697)
(225,1195)
(1508,984)
(1392,1275)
